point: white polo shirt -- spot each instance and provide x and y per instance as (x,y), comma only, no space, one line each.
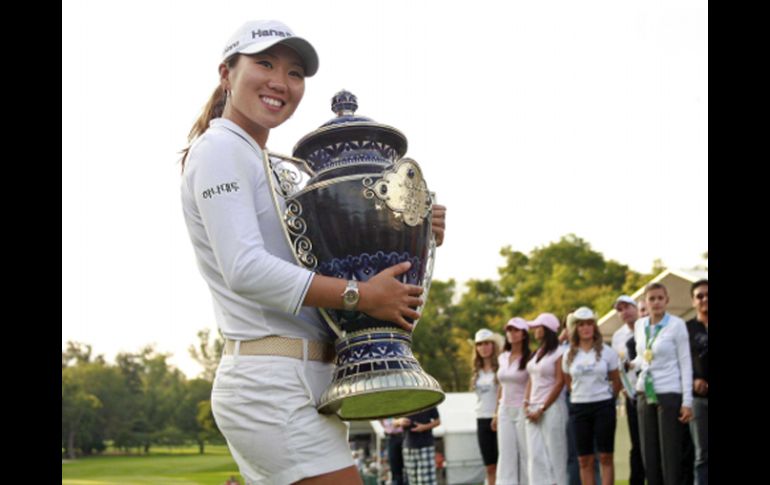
(239,242)
(590,378)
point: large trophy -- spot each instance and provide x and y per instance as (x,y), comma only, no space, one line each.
(351,206)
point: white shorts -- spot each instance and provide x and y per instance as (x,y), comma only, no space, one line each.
(265,407)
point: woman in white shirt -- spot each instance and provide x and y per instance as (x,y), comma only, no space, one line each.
(664,387)
(509,418)
(484,383)
(545,406)
(591,372)
(278,353)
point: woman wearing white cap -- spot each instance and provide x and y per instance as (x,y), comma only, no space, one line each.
(277,355)
(484,383)
(510,418)
(546,407)
(664,387)
(591,372)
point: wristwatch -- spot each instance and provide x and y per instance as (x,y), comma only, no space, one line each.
(351,296)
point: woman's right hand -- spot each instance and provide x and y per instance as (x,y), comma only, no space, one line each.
(493,424)
(385,298)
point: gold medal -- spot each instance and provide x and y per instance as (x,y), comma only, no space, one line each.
(648,355)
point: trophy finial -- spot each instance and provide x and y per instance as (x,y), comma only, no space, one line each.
(344,103)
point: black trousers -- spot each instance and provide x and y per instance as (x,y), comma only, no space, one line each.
(635,460)
(396,458)
(661,436)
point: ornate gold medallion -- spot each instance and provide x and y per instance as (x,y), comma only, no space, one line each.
(648,355)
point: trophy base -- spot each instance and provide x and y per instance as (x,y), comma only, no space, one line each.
(381,396)
(378,377)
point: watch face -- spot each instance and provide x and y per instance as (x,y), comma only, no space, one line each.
(351,296)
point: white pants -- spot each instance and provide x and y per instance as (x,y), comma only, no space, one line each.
(512,446)
(547,446)
(265,407)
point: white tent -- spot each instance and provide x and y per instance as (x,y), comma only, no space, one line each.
(677,283)
(462,457)
(461,447)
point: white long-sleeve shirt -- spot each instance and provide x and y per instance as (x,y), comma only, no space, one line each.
(671,366)
(239,242)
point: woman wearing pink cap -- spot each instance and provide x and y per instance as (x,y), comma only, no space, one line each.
(509,417)
(277,356)
(546,407)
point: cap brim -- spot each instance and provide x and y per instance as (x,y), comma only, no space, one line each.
(302,47)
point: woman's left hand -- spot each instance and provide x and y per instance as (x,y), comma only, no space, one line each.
(438,223)
(685,414)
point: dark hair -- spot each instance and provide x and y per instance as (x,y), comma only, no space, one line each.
(212,109)
(549,344)
(700,282)
(655,286)
(526,352)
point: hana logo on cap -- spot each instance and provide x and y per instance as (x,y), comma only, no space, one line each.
(259,35)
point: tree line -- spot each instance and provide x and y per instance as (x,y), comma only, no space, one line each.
(141,400)
(138,402)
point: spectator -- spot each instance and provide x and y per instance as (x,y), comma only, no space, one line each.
(509,417)
(698,330)
(545,406)
(420,446)
(664,387)
(591,372)
(484,383)
(395,436)
(624,344)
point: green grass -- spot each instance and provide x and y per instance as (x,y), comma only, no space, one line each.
(180,466)
(184,466)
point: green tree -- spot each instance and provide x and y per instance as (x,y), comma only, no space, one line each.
(163,389)
(441,347)
(78,353)
(207,354)
(188,419)
(559,277)
(481,306)
(79,410)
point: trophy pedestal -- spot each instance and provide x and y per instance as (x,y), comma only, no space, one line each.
(378,377)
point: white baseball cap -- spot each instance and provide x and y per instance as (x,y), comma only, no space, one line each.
(486,335)
(625,299)
(258,35)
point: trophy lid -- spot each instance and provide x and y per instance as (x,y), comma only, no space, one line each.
(348,127)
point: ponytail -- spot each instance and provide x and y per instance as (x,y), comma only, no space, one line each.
(213,109)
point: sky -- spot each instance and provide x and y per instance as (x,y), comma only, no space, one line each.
(530,120)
